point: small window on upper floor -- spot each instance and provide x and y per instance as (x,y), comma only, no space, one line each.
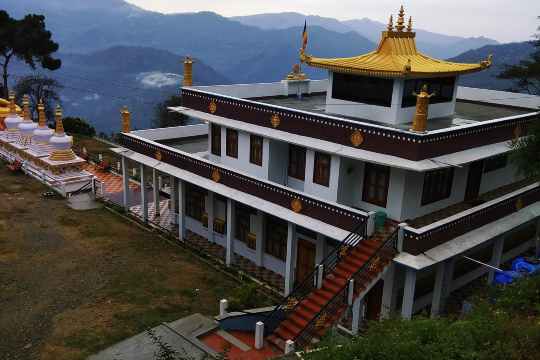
(442,88)
(216,139)
(495,163)
(297,162)
(256,150)
(437,185)
(362,89)
(232,143)
(376,182)
(321,169)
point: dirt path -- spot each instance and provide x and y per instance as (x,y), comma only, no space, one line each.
(73,283)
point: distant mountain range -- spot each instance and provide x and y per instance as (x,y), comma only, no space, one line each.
(437,45)
(115,53)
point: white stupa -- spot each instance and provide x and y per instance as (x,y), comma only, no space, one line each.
(42,133)
(12,121)
(60,142)
(27,126)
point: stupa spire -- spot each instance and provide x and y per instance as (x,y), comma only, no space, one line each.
(409,26)
(26,108)
(42,118)
(59,130)
(401,20)
(12,105)
(390,26)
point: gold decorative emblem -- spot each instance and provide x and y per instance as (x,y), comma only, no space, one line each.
(321,321)
(291,303)
(296,205)
(212,107)
(374,266)
(357,138)
(519,204)
(216,176)
(343,251)
(275,121)
(158,155)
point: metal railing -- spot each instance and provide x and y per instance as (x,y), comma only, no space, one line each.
(334,308)
(312,281)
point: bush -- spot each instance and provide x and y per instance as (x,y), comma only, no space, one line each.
(74,125)
(245,297)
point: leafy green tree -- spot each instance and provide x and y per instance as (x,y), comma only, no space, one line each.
(165,118)
(28,40)
(40,87)
(78,126)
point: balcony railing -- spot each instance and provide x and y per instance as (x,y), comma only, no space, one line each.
(416,241)
(339,216)
(377,138)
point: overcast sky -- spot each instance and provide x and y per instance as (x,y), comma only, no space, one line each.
(503,20)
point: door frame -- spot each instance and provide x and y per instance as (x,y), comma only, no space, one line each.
(474,180)
(304,240)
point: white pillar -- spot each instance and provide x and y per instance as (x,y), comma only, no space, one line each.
(144,195)
(223,305)
(174,199)
(155,185)
(441,288)
(181,210)
(289,347)
(537,240)
(259,232)
(160,182)
(125,184)
(229,253)
(210,213)
(290,258)
(408,294)
(357,315)
(259,335)
(496,257)
(388,305)
(321,248)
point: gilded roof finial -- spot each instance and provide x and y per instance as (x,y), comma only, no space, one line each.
(390,26)
(409,26)
(126,120)
(12,105)
(401,20)
(41,114)
(26,108)
(59,125)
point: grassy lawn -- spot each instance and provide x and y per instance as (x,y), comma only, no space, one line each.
(74,282)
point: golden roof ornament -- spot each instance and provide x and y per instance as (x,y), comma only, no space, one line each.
(296,73)
(126,119)
(401,20)
(390,26)
(12,105)
(421,115)
(409,26)
(42,118)
(188,72)
(26,108)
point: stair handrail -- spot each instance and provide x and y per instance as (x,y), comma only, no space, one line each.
(310,282)
(341,297)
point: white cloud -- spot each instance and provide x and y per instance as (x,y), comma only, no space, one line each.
(92,97)
(157,79)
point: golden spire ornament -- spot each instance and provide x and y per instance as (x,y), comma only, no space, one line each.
(421,115)
(390,26)
(409,26)
(188,72)
(401,20)
(42,118)
(126,120)
(12,105)
(26,108)
(59,130)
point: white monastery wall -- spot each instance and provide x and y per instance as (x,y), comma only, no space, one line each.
(500,177)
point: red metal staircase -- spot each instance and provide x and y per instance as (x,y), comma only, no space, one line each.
(306,315)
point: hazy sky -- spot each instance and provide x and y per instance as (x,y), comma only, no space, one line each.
(503,20)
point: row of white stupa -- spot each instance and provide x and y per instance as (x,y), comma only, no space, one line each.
(38,138)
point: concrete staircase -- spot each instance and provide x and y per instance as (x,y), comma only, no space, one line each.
(306,315)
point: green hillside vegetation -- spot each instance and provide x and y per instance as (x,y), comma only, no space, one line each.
(505,324)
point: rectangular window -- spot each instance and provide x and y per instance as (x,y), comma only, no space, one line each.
(242,227)
(276,237)
(216,139)
(256,150)
(297,162)
(495,163)
(321,169)
(195,202)
(376,180)
(362,89)
(232,143)
(437,185)
(442,87)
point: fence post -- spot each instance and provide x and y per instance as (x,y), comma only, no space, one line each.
(350,294)
(259,335)
(289,347)
(223,305)
(320,276)
(370,228)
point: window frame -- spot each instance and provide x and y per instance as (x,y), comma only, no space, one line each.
(231,143)
(215,139)
(297,169)
(437,185)
(195,202)
(321,175)
(362,89)
(435,85)
(256,155)
(369,168)
(495,163)
(275,245)
(242,221)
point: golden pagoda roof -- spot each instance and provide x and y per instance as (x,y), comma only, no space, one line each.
(395,57)
(4,108)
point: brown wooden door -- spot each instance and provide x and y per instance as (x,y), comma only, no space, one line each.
(473,180)
(305,259)
(374,301)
